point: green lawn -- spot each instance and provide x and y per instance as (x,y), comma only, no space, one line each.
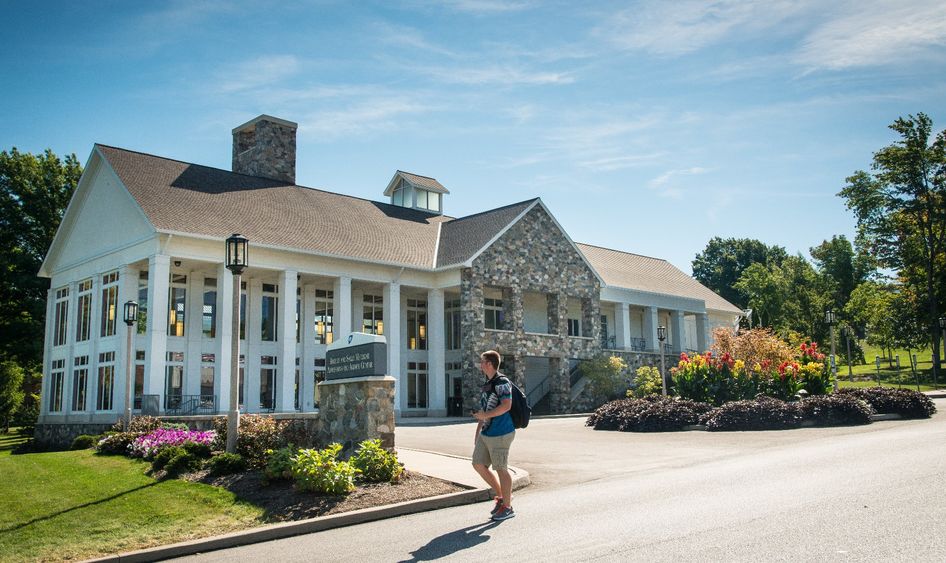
(865,375)
(77,505)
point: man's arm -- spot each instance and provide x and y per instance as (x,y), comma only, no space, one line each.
(503,406)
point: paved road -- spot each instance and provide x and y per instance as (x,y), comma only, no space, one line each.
(840,494)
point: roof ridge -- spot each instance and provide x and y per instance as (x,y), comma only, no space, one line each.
(456,220)
(623,252)
(416,174)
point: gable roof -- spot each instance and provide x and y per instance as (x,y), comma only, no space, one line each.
(654,275)
(463,238)
(416,180)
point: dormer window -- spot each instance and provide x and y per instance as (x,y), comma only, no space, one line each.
(416,192)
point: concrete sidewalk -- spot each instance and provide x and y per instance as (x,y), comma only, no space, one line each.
(451,468)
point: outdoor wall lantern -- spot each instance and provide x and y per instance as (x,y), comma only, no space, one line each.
(236,253)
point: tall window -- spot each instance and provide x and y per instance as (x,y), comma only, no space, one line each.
(207,378)
(103,401)
(142,302)
(270,315)
(208,319)
(174,381)
(493,312)
(451,323)
(57,373)
(177,305)
(417,385)
(139,378)
(62,316)
(84,319)
(373,317)
(416,324)
(324,316)
(109,304)
(267,383)
(80,382)
(398,198)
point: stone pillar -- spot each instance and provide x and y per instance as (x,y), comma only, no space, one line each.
(343,307)
(554,313)
(159,271)
(222,374)
(436,354)
(702,332)
(559,386)
(357,409)
(392,332)
(677,331)
(622,326)
(286,373)
(650,329)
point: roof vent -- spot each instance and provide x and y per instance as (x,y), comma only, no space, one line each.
(266,147)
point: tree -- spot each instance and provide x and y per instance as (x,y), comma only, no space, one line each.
(901,212)
(871,310)
(723,262)
(34,192)
(842,267)
(766,291)
(11,392)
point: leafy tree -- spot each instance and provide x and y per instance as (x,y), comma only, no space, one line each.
(34,192)
(842,268)
(871,310)
(766,290)
(901,212)
(11,392)
(723,262)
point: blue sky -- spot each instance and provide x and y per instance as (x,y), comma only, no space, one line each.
(648,127)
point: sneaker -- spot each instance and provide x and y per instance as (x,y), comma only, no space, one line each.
(497,506)
(505,514)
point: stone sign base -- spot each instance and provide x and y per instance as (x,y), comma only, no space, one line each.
(356,409)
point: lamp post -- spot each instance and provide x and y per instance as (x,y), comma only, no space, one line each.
(847,337)
(236,263)
(131,319)
(831,320)
(942,327)
(661,336)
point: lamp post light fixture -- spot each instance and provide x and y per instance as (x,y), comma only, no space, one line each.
(831,320)
(236,262)
(131,319)
(661,336)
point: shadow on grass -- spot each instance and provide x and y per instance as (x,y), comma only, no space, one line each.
(12,440)
(74,508)
(452,542)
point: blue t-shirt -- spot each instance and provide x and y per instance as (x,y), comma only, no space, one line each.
(502,424)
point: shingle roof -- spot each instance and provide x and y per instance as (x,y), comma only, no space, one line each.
(461,238)
(425,182)
(182,197)
(633,271)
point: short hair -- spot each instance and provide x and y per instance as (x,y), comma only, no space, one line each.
(493,357)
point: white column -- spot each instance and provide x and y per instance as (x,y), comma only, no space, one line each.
(343,307)
(254,323)
(224,309)
(702,332)
(622,327)
(72,315)
(193,331)
(127,291)
(159,270)
(286,375)
(678,329)
(392,332)
(47,353)
(436,354)
(650,329)
(307,362)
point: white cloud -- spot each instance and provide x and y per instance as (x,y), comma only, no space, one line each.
(363,118)
(496,74)
(262,71)
(607,164)
(669,184)
(483,7)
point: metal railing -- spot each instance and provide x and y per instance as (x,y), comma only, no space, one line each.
(150,405)
(184,405)
(638,344)
(539,391)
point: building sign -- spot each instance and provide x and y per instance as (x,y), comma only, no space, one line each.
(357,355)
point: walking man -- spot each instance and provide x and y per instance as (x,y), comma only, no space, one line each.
(494,434)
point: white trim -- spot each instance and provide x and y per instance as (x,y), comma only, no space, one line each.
(437,245)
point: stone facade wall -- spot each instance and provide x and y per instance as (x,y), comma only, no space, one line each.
(536,256)
(587,402)
(60,436)
(267,150)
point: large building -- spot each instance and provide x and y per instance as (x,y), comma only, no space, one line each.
(323,265)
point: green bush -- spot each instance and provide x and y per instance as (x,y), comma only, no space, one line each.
(116,443)
(320,471)
(605,377)
(835,410)
(165,455)
(761,413)
(183,462)
(84,442)
(905,402)
(200,450)
(225,464)
(174,426)
(139,424)
(646,382)
(376,464)
(279,463)
(256,434)
(654,413)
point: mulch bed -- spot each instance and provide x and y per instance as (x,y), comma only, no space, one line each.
(283,503)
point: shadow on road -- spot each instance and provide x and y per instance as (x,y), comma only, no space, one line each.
(447,544)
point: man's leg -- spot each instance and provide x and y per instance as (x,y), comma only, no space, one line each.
(505,483)
(490,479)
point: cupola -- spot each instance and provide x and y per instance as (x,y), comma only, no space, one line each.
(416,192)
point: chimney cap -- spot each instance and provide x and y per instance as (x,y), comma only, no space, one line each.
(251,124)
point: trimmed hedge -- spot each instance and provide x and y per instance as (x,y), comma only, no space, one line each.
(887,400)
(84,442)
(654,413)
(836,410)
(761,413)
(225,464)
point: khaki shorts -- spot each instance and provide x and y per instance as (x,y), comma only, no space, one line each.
(493,450)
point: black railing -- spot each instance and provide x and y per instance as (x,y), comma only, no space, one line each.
(150,405)
(638,344)
(184,405)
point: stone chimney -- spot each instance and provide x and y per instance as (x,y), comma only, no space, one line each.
(266,147)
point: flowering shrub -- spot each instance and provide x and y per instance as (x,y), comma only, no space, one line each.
(816,373)
(147,446)
(376,464)
(709,379)
(753,346)
(646,382)
(256,434)
(654,413)
(320,471)
(116,443)
(604,374)
(139,424)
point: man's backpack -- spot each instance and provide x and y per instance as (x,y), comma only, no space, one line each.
(520,410)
